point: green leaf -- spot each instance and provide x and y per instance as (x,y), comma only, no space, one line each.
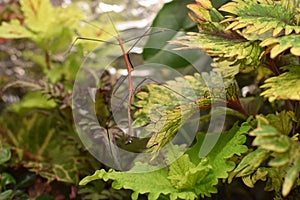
(229,143)
(251,162)
(14,30)
(258,17)
(185,178)
(285,86)
(184,174)
(26,180)
(154,183)
(291,176)
(178,22)
(157,50)
(281,44)
(260,174)
(279,160)
(54,152)
(163,109)
(270,139)
(281,150)
(162,52)
(245,53)
(5,155)
(265,130)
(7,194)
(206,16)
(274,179)
(279,144)
(40,19)
(7,180)
(282,121)
(32,100)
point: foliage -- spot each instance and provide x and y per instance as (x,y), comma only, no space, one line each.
(253,35)
(172,111)
(257,38)
(188,176)
(43,143)
(273,142)
(284,86)
(249,100)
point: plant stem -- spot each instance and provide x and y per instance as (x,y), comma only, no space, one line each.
(47,59)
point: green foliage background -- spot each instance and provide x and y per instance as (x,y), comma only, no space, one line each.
(254,46)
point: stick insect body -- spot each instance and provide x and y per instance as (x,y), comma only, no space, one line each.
(129,66)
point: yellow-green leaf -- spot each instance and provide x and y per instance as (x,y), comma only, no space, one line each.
(285,86)
(39,15)
(14,30)
(280,44)
(257,17)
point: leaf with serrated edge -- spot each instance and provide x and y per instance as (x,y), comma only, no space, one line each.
(285,86)
(229,143)
(291,176)
(280,44)
(251,162)
(257,17)
(198,176)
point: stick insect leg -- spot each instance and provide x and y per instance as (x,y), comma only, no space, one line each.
(122,98)
(136,88)
(183,134)
(161,84)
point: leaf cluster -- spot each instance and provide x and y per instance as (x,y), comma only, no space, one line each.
(276,159)
(245,38)
(253,44)
(185,178)
(37,135)
(252,35)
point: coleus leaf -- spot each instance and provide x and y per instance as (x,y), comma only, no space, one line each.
(267,137)
(47,151)
(222,46)
(229,144)
(282,121)
(40,18)
(14,30)
(281,44)
(163,109)
(38,15)
(251,162)
(281,151)
(184,174)
(258,17)
(206,16)
(154,183)
(186,178)
(65,172)
(285,86)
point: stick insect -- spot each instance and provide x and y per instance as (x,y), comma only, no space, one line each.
(129,67)
(128,64)
(131,88)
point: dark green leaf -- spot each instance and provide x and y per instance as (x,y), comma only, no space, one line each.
(6,195)
(7,180)
(157,50)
